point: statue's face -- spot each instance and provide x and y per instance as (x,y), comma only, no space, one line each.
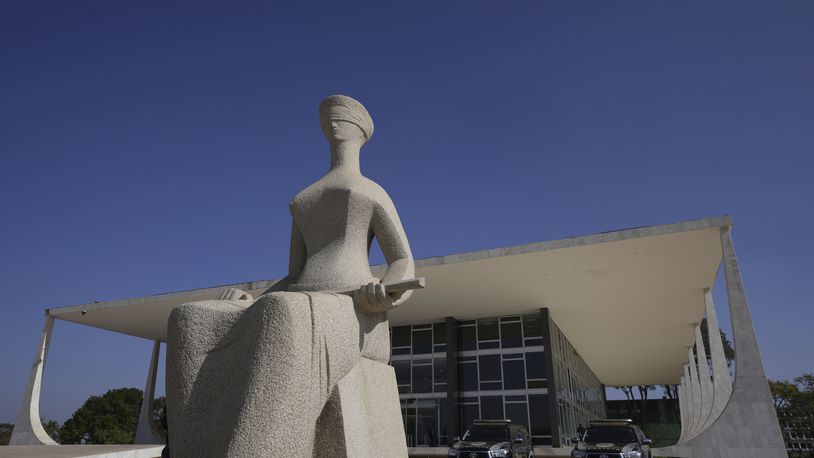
(339,131)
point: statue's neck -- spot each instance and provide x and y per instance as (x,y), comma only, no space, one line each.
(345,157)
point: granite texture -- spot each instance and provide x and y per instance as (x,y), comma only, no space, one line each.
(301,369)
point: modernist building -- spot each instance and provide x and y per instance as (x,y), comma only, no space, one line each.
(534,333)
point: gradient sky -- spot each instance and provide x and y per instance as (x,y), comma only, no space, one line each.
(153,146)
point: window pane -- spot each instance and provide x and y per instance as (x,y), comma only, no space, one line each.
(488,330)
(422,342)
(510,335)
(491,407)
(488,386)
(466,338)
(439,333)
(514,377)
(533,325)
(440,365)
(402,369)
(517,413)
(468,374)
(535,365)
(468,413)
(401,336)
(488,345)
(489,367)
(401,351)
(422,379)
(538,411)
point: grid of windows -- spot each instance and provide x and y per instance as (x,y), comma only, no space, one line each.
(580,395)
(501,374)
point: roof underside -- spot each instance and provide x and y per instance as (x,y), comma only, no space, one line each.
(627,300)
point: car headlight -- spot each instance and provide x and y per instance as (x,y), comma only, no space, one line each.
(453,452)
(499,453)
(633,454)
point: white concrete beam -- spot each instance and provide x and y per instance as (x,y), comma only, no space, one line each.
(721,383)
(704,380)
(28,428)
(696,394)
(145,430)
(682,409)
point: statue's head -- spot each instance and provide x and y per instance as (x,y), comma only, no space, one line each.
(344,119)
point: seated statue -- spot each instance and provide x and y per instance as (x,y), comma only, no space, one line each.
(302,370)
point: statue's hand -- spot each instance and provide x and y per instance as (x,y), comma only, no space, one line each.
(373,298)
(234,294)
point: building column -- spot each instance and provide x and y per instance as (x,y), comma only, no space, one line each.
(145,430)
(682,409)
(748,425)
(688,403)
(28,428)
(721,383)
(551,381)
(703,378)
(696,394)
(452,412)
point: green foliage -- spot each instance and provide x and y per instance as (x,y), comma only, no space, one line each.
(795,409)
(5,433)
(107,419)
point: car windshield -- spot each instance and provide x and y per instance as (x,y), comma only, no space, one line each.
(612,434)
(484,433)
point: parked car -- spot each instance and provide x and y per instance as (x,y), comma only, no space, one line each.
(494,439)
(611,439)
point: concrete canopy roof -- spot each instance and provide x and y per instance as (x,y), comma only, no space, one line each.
(627,300)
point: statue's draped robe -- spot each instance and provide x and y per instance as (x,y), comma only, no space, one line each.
(260,376)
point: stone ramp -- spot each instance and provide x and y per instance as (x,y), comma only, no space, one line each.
(81,451)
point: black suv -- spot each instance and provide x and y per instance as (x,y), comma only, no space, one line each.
(611,439)
(492,439)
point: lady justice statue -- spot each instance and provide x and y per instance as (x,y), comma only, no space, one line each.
(302,370)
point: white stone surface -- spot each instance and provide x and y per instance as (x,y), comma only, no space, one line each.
(145,429)
(704,379)
(695,386)
(748,426)
(28,428)
(248,377)
(721,382)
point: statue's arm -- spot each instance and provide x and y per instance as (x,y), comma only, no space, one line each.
(389,232)
(296,261)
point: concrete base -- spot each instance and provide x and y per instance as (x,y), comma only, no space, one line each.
(81,451)
(363,416)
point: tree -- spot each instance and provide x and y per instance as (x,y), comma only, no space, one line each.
(783,393)
(5,433)
(107,419)
(794,403)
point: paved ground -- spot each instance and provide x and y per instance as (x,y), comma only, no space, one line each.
(81,451)
(433,452)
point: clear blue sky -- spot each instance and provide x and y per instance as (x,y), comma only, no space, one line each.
(153,146)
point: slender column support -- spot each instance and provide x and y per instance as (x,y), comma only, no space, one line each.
(704,380)
(146,430)
(682,409)
(688,404)
(453,421)
(28,428)
(696,394)
(721,383)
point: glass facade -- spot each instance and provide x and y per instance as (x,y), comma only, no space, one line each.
(499,366)
(579,397)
